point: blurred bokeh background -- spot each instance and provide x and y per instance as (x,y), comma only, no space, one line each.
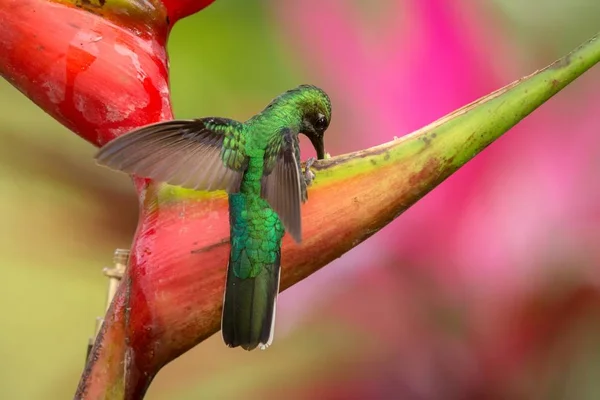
(488,288)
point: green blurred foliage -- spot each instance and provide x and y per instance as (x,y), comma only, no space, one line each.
(226,60)
(57,232)
(61,217)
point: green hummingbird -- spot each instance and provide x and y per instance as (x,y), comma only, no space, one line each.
(258,163)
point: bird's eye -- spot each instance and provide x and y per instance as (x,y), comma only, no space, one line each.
(321,123)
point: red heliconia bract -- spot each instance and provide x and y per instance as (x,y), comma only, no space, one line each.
(97,72)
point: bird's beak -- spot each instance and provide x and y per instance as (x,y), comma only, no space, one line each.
(317,142)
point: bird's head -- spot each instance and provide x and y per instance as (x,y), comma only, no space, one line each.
(316,108)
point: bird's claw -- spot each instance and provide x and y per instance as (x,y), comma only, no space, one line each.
(309,176)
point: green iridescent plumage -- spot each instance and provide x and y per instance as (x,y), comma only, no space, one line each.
(258,163)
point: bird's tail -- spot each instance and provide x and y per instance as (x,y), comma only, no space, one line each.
(249,306)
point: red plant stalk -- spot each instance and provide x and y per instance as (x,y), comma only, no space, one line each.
(103,73)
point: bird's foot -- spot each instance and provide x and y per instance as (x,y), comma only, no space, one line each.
(309,176)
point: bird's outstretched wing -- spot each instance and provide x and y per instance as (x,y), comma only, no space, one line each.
(282,181)
(202,154)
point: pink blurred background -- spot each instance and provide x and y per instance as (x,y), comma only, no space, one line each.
(485,289)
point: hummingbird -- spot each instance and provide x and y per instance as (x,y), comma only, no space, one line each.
(258,163)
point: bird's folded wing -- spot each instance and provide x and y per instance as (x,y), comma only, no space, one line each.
(281,185)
